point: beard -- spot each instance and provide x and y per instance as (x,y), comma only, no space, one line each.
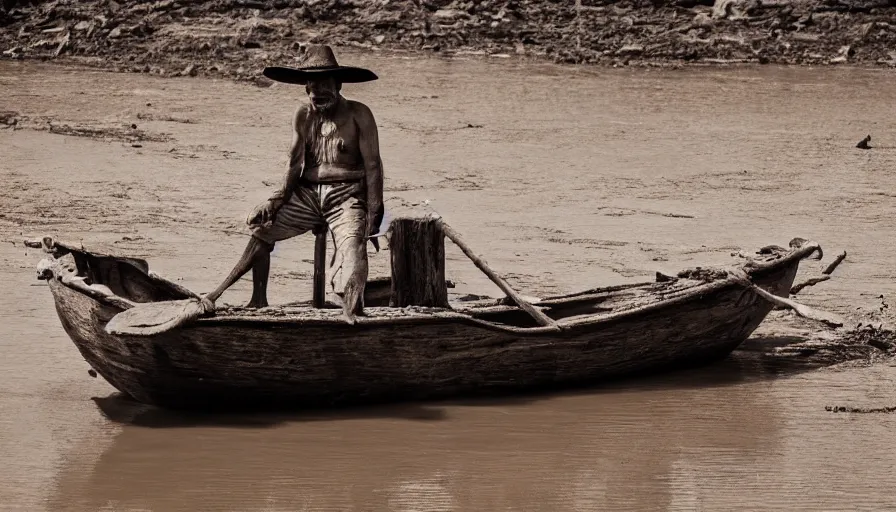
(323,137)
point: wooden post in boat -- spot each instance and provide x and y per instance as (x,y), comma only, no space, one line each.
(320,268)
(417,248)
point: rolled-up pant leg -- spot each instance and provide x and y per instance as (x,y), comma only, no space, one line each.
(345,210)
(298,215)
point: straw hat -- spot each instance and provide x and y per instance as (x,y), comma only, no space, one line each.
(316,62)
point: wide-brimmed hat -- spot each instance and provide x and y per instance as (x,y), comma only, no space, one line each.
(318,61)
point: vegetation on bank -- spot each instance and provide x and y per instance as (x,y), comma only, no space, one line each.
(234,38)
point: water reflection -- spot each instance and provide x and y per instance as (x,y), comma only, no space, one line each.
(621,447)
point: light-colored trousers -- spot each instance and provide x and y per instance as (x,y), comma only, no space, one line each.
(340,206)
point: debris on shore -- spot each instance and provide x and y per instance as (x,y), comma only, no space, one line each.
(235,38)
(868,338)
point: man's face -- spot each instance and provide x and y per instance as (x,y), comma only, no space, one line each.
(323,93)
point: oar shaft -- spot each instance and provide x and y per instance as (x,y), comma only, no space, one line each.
(800,309)
(536,313)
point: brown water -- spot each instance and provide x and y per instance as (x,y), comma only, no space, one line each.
(574,179)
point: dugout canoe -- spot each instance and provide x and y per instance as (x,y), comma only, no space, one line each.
(299,356)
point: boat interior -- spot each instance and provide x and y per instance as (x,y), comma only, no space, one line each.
(130,279)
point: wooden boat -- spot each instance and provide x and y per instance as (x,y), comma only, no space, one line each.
(300,356)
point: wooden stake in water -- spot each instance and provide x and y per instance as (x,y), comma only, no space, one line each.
(320,269)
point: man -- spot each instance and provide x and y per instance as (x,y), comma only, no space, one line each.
(335,180)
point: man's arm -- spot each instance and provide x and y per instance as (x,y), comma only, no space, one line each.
(373,165)
(296,156)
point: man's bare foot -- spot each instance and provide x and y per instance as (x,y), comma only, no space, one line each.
(257,303)
(352,302)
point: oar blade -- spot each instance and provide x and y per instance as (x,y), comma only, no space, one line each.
(148,319)
(802,310)
(825,317)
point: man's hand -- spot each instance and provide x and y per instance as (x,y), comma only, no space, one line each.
(374,218)
(263,214)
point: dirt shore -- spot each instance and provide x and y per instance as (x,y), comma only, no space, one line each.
(236,38)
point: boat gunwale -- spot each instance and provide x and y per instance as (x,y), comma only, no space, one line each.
(436,315)
(751,267)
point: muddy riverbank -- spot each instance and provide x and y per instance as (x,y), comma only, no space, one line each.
(237,38)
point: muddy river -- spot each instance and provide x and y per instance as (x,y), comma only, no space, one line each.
(564,178)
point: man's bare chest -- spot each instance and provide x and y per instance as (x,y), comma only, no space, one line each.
(334,141)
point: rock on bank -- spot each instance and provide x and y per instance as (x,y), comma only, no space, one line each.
(234,38)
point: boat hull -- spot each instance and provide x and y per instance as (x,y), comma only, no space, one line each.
(238,362)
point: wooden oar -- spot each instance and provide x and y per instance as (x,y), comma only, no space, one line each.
(148,319)
(536,313)
(800,309)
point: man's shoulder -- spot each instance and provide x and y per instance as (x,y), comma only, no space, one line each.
(359,108)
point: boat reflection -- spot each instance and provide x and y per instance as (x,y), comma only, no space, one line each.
(615,448)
